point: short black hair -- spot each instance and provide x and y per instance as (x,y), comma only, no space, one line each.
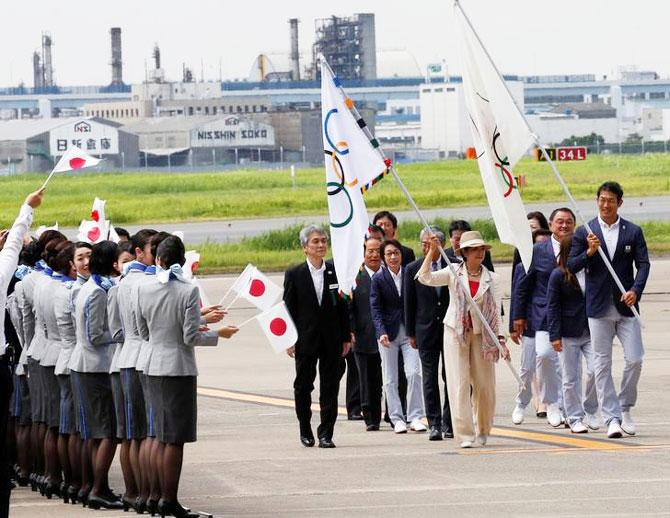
(385,214)
(122,232)
(613,187)
(103,257)
(541,218)
(62,262)
(390,242)
(83,244)
(171,251)
(30,254)
(541,232)
(459,224)
(365,243)
(156,240)
(562,209)
(142,237)
(125,246)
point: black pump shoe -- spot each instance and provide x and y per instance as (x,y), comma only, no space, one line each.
(96,502)
(175,509)
(152,507)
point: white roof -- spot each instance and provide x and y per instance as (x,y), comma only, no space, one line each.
(22,129)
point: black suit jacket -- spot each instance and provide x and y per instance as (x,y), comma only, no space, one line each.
(360,316)
(424,310)
(407,255)
(325,326)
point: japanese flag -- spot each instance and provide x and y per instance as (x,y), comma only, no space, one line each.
(278,327)
(259,290)
(90,232)
(73,159)
(192,263)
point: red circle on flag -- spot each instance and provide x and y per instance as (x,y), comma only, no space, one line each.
(257,288)
(77,163)
(94,234)
(278,326)
(95,216)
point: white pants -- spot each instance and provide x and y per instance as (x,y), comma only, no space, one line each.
(412,364)
(571,362)
(548,370)
(603,331)
(526,370)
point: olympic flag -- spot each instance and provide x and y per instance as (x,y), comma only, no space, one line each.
(351,165)
(501,136)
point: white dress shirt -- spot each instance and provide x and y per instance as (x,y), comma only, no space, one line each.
(370,271)
(9,259)
(317,278)
(556,245)
(397,279)
(610,234)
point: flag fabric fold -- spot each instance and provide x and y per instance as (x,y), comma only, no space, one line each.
(257,288)
(501,137)
(352,165)
(278,327)
(73,159)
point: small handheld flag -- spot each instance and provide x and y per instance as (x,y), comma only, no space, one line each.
(72,160)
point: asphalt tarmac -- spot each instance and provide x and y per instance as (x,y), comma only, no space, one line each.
(248,460)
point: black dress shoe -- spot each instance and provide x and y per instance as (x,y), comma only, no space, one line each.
(372,427)
(326,443)
(355,417)
(307,441)
(541,415)
(449,434)
(166,508)
(435,434)
(96,502)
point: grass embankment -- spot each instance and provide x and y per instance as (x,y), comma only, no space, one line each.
(161,197)
(276,250)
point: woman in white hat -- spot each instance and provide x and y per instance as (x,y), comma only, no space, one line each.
(470,352)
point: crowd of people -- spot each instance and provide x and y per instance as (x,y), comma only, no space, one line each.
(99,339)
(98,344)
(410,322)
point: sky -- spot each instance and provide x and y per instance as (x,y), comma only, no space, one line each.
(524,37)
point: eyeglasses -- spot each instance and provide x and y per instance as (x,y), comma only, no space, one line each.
(391,253)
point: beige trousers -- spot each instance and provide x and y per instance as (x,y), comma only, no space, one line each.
(467,368)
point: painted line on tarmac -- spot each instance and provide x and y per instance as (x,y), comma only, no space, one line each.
(510,433)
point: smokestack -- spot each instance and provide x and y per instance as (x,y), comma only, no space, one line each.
(294,59)
(157,57)
(117,64)
(47,60)
(38,78)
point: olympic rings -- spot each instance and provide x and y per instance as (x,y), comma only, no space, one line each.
(330,142)
(340,187)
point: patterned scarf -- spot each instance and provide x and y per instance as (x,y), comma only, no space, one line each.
(489,347)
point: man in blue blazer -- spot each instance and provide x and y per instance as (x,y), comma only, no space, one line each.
(529,307)
(608,310)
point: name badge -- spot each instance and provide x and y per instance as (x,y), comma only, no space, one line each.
(627,249)
(334,286)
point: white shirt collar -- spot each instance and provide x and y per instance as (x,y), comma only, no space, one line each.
(316,270)
(370,271)
(613,226)
(395,275)
(556,244)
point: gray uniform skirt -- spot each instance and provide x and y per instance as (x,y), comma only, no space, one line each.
(21,400)
(119,405)
(35,388)
(51,397)
(174,407)
(95,412)
(148,405)
(135,412)
(67,418)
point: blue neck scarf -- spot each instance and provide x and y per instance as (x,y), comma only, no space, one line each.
(104,282)
(173,273)
(22,271)
(40,265)
(150,270)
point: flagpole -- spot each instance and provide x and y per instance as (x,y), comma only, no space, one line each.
(473,305)
(604,257)
(44,185)
(558,176)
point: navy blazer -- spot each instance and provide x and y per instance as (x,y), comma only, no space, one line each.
(360,316)
(424,309)
(601,290)
(385,304)
(529,300)
(516,275)
(566,312)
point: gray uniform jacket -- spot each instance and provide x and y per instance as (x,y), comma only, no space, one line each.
(38,345)
(126,304)
(64,313)
(95,346)
(168,316)
(115,326)
(27,314)
(45,306)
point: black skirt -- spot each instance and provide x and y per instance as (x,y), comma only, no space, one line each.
(51,397)
(119,405)
(96,405)
(175,408)
(67,418)
(136,420)
(21,400)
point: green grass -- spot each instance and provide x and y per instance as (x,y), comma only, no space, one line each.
(161,197)
(276,250)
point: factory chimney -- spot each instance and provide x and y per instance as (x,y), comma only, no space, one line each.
(117,63)
(294,59)
(47,60)
(157,57)
(38,76)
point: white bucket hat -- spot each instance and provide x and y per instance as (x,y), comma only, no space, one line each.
(472,239)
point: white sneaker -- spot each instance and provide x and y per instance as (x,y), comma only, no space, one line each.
(578,427)
(614,430)
(554,417)
(627,424)
(481,439)
(418,426)
(592,421)
(400,427)
(466,444)
(517,415)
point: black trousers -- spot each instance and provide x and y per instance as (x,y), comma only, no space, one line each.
(6,389)
(438,416)
(353,394)
(370,376)
(330,370)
